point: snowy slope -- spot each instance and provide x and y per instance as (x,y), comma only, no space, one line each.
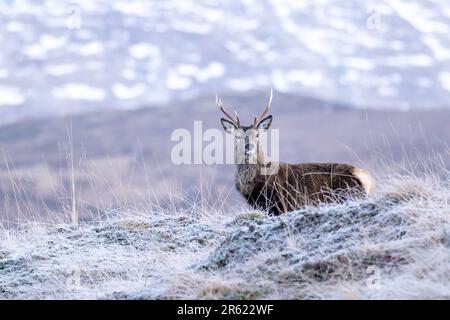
(60,56)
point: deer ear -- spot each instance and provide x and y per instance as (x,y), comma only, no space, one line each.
(265,123)
(228,125)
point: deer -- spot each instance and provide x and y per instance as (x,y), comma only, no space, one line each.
(278,187)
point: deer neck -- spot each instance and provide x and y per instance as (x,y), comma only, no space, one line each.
(247,173)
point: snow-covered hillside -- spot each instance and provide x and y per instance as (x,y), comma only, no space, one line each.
(60,56)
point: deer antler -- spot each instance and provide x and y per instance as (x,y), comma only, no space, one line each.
(264,113)
(236,120)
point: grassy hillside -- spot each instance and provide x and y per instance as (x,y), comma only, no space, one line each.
(119,155)
(393,245)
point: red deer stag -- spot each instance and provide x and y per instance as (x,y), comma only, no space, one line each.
(281,187)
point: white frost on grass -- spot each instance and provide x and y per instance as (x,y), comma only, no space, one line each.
(79,91)
(106,259)
(11,96)
(395,245)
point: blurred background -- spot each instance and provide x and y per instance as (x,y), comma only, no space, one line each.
(90,92)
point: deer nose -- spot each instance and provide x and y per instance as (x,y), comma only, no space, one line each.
(249,148)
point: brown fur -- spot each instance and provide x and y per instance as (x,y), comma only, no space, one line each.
(294,186)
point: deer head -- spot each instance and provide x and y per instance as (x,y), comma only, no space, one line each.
(248,148)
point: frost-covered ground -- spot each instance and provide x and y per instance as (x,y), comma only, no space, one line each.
(67,56)
(394,245)
(61,57)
